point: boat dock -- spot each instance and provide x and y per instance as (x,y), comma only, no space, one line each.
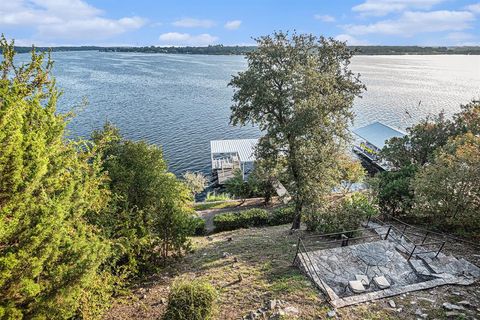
(230,155)
(371,140)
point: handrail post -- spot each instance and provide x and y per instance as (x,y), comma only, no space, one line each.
(296,253)
(411,253)
(344,240)
(441,247)
(425,238)
(388,232)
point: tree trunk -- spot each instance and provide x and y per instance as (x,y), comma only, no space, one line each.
(297,218)
(298,199)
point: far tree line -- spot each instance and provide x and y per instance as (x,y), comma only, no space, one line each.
(242,50)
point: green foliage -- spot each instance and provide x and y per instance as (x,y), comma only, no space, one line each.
(345,214)
(199,226)
(191,300)
(447,192)
(351,171)
(150,216)
(432,171)
(212,196)
(281,216)
(261,180)
(299,91)
(195,181)
(253,218)
(424,138)
(419,145)
(50,258)
(241,219)
(394,191)
(237,186)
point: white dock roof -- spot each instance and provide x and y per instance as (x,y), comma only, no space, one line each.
(377,133)
(244,147)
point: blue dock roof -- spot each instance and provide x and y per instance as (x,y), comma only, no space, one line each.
(377,133)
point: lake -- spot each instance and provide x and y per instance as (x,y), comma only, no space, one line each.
(181,102)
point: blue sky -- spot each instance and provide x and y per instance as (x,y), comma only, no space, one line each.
(195,22)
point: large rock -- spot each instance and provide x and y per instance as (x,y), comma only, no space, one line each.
(451,306)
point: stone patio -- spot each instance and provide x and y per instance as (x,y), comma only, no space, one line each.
(332,269)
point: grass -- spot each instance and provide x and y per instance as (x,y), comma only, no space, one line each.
(213,196)
(215,205)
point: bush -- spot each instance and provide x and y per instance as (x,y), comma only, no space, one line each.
(191,300)
(344,215)
(200,227)
(281,216)
(252,218)
(242,219)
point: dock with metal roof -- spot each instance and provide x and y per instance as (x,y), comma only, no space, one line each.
(371,140)
(230,155)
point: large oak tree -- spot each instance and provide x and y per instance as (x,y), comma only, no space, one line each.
(298,89)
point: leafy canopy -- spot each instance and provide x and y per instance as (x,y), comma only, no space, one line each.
(151,214)
(50,258)
(447,192)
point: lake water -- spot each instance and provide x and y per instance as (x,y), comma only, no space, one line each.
(181,102)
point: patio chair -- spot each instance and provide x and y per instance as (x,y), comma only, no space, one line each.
(381,282)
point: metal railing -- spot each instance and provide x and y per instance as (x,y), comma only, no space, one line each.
(308,264)
(342,240)
(403,234)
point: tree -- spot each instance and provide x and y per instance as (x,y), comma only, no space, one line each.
(195,181)
(418,147)
(351,171)
(468,119)
(299,91)
(394,191)
(448,190)
(50,258)
(261,180)
(151,215)
(236,186)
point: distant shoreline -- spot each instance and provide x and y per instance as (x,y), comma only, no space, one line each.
(242,50)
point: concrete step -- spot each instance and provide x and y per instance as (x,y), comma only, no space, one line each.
(420,267)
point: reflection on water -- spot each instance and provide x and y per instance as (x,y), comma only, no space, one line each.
(181,102)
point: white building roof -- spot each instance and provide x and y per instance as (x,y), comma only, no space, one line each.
(244,147)
(377,133)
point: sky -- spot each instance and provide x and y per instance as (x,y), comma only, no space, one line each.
(235,22)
